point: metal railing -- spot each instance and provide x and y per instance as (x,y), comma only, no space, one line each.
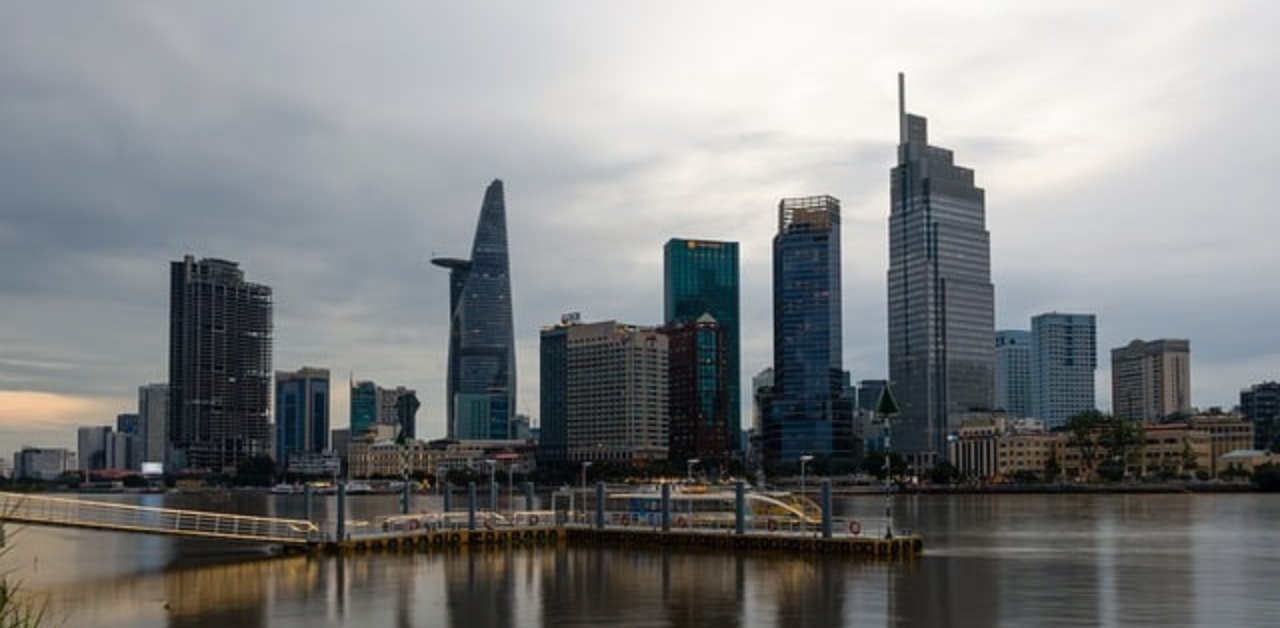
(78,513)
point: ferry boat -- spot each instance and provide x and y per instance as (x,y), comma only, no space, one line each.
(702,506)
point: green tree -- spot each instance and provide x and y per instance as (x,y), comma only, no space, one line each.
(944,473)
(255,471)
(1083,434)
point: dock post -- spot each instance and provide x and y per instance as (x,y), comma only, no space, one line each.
(528,496)
(342,511)
(471,506)
(599,505)
(448,496)
(740,507)
(826,508)
(493,497)
(308,502)
(666,507)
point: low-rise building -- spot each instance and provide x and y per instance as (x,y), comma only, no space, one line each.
(1227,433)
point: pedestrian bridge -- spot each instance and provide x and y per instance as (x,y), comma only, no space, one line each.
(94,515)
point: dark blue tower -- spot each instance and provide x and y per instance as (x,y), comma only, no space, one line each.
(481,395)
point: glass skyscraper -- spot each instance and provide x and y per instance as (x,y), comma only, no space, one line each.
(1013,372)
(302,413)
(481,387)
(810,412)
(941,301)
(219,365)
(1064,356)
(701,277)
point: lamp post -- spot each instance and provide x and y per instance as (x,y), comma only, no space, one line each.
(511,486)
(585,464)
(804,460)
(492,464)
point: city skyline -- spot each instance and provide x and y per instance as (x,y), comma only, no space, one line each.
(1120,178)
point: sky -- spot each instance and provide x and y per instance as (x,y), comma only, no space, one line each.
(332,149)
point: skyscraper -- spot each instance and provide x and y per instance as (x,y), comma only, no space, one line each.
(219,365)
(302,413)
(481,386)
(941,301)
(1013,372)
(1151,381)
(810,412)
(1064,356)
(698,389)
(1260,405)
(364,407)
(701,277)
(153,415)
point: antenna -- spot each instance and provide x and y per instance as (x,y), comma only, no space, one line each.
(902,109)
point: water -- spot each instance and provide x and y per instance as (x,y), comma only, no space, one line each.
(1011,560)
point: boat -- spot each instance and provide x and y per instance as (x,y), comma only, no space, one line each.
(286,489)
(701,505)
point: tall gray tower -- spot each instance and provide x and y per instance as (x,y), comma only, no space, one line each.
(941,301)
(481,383)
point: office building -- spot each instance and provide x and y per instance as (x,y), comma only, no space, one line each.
(941,300)
(698,390)
(1064,358)
(220,329)
(92,447)
(604,393)
(302,413)
(1260,405)
(1151,381)
(701,277)
(399,406)
(153,419)
(480,392)
(1013,372)
(810,412)
(43,463)
(364,407)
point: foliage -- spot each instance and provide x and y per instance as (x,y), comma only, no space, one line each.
(944,473)
(19,609)
(1107,444)
(1267,477)
(255,471)
(873,464)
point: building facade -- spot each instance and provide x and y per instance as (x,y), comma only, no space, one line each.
(220,329)
(1260,405)
(91,447)
(480,392)
(810,413)
(604,393)
(941,300)
(302,413)
(1151,381)
(701,277)
(1013,372)
(43,463)
(698,390)
(153,417)
(1064,358)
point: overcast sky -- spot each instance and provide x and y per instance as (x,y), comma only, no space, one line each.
(1128,149)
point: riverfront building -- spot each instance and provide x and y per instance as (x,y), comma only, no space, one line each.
(153,417)
(41,463)
(810,411)
(941,300)
(1064,356)
(604,393)
(701,277)
(1013,372)
(302,413)
(219,365)
(698,390)
(480,393)
(1151,381)
(1260,405)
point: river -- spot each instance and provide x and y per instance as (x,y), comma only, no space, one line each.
(990,560)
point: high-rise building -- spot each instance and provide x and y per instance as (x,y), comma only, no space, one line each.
(810,412)
(1260,405)
(43,463)
(364,407)
(219,365)
(1151,381)
(941,301)
(698,390)
(92,447)
(1064,356)
(604,393)
(399,406)
(481,380)
(1013,372)
(701,277)
(153,416)
(302,413)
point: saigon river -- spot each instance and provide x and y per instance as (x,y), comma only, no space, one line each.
(990,560)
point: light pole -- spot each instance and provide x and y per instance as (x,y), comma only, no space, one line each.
(585,464)
(688,502)
(804,460)
(511,486)
(492,464)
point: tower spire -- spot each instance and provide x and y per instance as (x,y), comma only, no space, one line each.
(902,109)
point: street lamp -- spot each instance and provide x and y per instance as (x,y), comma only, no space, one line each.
(585,464)
(691,463)
(804,460)
(492,464)
(511,486)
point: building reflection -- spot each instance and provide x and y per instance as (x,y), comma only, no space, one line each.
(479,588)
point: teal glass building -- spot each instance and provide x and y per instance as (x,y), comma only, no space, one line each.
(701,277)
(364,407)
(302,413)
